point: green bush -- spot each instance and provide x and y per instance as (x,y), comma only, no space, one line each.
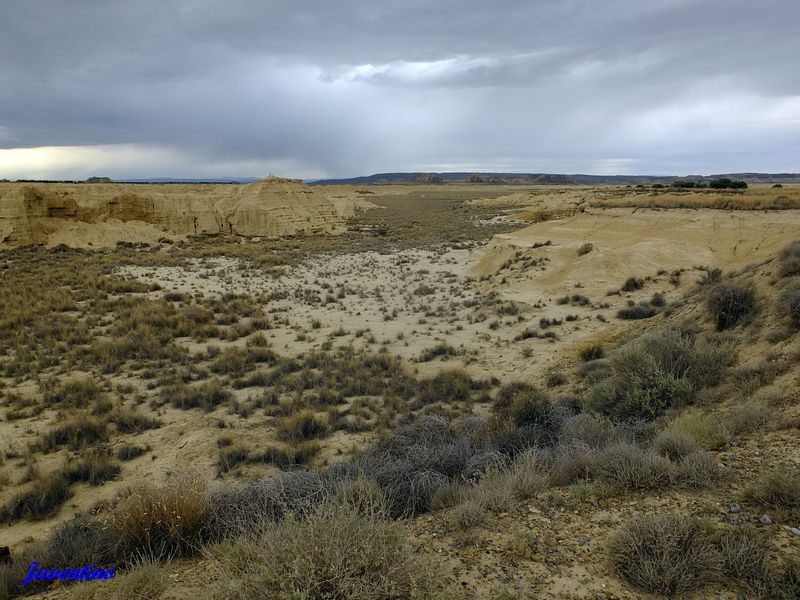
(656,372)
(708,431)
(728,304)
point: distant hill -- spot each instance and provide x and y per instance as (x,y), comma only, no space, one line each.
(549,178)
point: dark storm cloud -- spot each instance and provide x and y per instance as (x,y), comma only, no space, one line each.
(346,87)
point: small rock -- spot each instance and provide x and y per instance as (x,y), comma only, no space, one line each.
(795,530)
(583,540)
(735,507)
(765,519)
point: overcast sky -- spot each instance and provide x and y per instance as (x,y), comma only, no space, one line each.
(202,88)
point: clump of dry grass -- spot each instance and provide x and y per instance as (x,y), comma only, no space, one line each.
(76,433)
(302,426)
(158,522)
(664,554)
(778,489)
(41,501)
(207,395)
(94,467)
(729,304)
(335,553)
(76,393)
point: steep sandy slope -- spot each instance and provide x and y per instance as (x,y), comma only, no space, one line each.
(638,242)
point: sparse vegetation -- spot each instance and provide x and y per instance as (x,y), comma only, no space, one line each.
(664,554)
(729,304)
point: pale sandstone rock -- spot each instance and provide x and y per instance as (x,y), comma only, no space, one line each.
(43,213)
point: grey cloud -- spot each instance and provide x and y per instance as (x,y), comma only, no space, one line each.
(344,87)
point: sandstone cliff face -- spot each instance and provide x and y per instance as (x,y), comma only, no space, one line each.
(41,213)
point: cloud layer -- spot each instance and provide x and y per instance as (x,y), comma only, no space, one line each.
(195,88)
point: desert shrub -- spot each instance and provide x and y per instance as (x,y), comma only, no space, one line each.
(664,554)
(467,515)
(555,379)
(362,495)
(585,248)
(230,457)
(484,462)
(129,452)
(449,495)
(130,422)
(528,476)
(728,304)
(236,511)
(523,404)
(81,540)
(646,394)
(302,426)
(778,489)
(146,579)
(157,522)
(789,257)
(494,492)
(658,371)
(296,455)
(658,300)
(335,553)
(407,488)
(207,395)
(789,303)
(706,430)
(593,430)
(744,555)
(41,501)
(787,585)
(675,443)
(453,385)
(594,371)
(569,463)
(437,351)
(593,352)
(95,468)
(698,470)
(76,433)
(750,417)
(77,393)
(10,576)
(632,284)
(627,467)
(643,310)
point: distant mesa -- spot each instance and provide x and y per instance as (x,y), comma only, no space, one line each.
(34,213)
(433,178)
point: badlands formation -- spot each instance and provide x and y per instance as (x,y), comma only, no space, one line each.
(101,214)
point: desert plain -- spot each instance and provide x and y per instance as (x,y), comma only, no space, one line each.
(401,391)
